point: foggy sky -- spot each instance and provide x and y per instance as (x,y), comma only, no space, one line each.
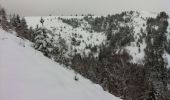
(68,7)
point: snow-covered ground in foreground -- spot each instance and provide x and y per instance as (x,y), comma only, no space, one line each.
(25,74)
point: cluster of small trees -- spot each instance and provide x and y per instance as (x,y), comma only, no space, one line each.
(3,19)
(116,27)
(113,72)
(156,71)
(108,23)
(96,23)
(73,22)
(14,24)
(53,48)
(20,26)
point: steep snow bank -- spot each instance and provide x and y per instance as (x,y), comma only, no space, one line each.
(25,74)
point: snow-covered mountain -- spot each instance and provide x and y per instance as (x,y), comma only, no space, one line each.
(80,34)
(85,38)
(127,53)
(101,48)
(25,74)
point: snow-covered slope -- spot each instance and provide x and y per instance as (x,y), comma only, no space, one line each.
(25,74)
(67,32)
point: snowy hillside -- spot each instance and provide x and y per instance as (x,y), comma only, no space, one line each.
(86,38)
(101,48)
(26,74)
(67,32)
(82,37)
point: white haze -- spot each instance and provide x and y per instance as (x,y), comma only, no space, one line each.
(68,7)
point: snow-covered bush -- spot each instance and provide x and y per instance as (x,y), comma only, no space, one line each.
(43,41)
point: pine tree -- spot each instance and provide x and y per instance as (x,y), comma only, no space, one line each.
(13,21)
(31,32)
(42,21)
(3,19)
(42,41)
(24,29)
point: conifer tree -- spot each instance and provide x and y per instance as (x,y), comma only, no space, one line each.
(42,41)
(42,21)
(3,19)
(24,29)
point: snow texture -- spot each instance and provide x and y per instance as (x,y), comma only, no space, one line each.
(25,74)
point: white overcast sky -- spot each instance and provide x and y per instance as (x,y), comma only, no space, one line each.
(68,7)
